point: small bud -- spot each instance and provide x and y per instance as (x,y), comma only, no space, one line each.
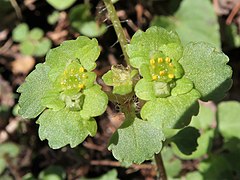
(81,69)
(152,61)
(154,77)
(168,60)
(162,73)
(160,60)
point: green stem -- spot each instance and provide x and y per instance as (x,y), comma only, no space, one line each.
(117,27)
(160,166)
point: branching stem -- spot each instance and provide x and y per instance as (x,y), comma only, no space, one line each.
(117,27)
(160,166)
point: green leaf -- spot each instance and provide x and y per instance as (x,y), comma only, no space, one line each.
(185,143)
(228,118)
(95,102)
(172,164)
(82,20)
(204,119)
(153,43)
(53,18)
(20,33)
(207,69)
(36,86)
(110,175)
(194,175)
(136,141)
(216,167)
(173,111)
(42,47)
(36,34)
(52,100)
(191,24)
(27,48)
(65,127)
(7,150)
(52,173)
(204,145)
(61,5)
(83,49)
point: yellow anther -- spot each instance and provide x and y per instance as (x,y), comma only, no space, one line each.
(171,76)
(167,59)
(162,73)
(154,77)
(160,60)
(170,64)
(84,76)
(81,86)
(81,69)
(152,61)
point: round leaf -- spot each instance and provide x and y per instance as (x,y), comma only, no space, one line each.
(20,33)
(136,141)
(33,90)
(65,127)
(36,34)
(173,111)
(207,69)
(61,5)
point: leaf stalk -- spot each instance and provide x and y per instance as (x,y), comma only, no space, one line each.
(160,166)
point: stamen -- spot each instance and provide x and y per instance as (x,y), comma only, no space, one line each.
(170,64)
(162,73)
(81,86)
(152,61)
(81,69)
(154,77)
(171,76)
(160,60)
(167,59)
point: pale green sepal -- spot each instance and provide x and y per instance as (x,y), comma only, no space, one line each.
(173,111)
(183,86)
(206,68)
(108,78)
(83,50)
(153,43)
(144,90)
(52,100)
(133,142)
(65,127)
(95,102)
(36,86)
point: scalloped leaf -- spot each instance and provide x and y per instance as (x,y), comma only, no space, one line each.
(65,127)
(83,49)
(173,111)
(228,118)
(206,68)
(95,102)
(136,141)
(153,42)
(35,87)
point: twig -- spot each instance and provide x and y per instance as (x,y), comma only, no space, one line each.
(117,27)
(160,166)
(17,8)
(232,14)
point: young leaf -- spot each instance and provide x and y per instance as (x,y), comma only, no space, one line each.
(185,143)
(136,141)
(20,33)
(228,118)
(33,90)
(173,111)
(83,49)
(65,127)
(152,44)
(207,69)
(36,34)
